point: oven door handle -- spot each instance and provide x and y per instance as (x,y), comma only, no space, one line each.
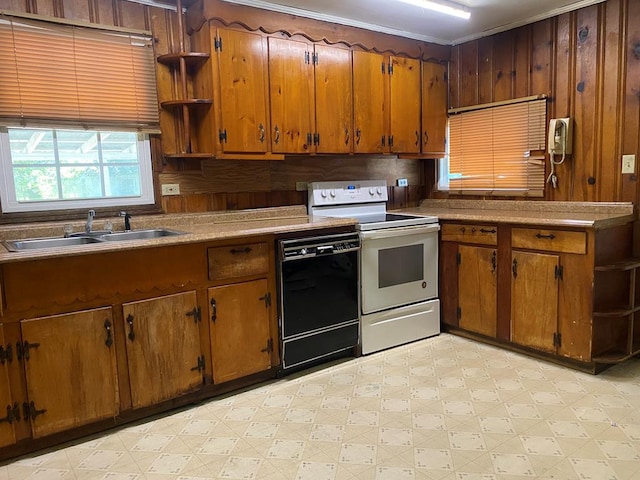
(398,232)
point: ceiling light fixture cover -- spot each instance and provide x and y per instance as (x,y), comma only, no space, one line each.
(446,8)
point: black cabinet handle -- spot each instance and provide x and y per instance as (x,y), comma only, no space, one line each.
(132,334)
(417,138)
(214,310)
(358,132)
(482,230)
(551,236)
(494,262)
(107,326)
(262,133)
(236,251)
(276,135)
(426,137)
(514,268)
(346,136)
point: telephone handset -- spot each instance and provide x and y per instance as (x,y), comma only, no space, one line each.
(560,136)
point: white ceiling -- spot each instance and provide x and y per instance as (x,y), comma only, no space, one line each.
(397,18)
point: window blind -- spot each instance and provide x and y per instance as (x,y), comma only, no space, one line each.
(56,74)
(498,150)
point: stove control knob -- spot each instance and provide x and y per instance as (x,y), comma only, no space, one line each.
(372,192)
(379,191)
(303,251)
(333,193)
(323,193)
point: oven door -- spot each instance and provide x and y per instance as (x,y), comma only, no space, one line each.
(399,266)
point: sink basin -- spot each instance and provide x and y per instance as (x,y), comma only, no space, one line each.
(140,235)
(55,242)
(36,243)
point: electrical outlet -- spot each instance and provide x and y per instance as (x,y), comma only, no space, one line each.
(402,182)
(171,189)
(302,186)
(628,164)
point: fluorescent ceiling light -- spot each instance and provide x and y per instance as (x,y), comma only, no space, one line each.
(457,11)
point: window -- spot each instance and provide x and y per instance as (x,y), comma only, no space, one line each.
(51,169)
(77,105)
(496,150)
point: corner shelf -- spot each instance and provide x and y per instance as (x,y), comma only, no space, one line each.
(183,61)
(616,319)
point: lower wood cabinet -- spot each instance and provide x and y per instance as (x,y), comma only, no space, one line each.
(70,369)
(8,408)
(477,287)
(163,347)
(534,300)
(566,293)
(241,341)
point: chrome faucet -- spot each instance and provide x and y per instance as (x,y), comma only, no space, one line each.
(91,215)
(127,221)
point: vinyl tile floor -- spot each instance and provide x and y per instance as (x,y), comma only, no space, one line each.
(444,408)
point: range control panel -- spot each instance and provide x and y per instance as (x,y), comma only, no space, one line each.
(345,193)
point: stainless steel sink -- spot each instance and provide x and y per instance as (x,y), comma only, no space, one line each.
(140,235)
(37,243)
(56,242)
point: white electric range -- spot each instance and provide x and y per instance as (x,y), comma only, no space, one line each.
(398,262)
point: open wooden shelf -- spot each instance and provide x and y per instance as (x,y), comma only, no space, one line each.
(191,58)
(627,264)
(189,102)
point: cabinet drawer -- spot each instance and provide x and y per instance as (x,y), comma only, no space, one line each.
(549,240)
(238,260)
(479,234)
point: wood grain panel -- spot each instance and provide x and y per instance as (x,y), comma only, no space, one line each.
(485,70)
(503,68)
(468,92)
(238,260)
(549,240)
(454,78)
(541,57)
(522,54)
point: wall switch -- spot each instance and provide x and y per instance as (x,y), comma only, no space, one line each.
(170,189)
(302,186)
(402,182)
(628,164)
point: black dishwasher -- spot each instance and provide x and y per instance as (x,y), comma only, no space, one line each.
(318,281)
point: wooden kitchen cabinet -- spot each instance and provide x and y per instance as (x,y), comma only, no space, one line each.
(387,92)
(310,90)
(70,369)
(434,108)
(369,83)
(241,340)
(240,67)
(475,250)
(9,409)
(292,93)
(163,347)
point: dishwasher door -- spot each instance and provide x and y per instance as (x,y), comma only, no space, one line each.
(318,297)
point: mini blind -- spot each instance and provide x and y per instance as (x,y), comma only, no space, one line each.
(55,74)
(498,150)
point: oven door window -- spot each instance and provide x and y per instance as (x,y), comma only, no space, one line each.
(400,265)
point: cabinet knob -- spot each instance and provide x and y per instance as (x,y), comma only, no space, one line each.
(426,137)
(276,135)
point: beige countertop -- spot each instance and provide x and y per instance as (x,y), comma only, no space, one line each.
(199,227)
(596,215)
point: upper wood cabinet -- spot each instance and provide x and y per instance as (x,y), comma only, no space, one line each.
(369,84)
(291,93)
(240,71)
(333,100)
(386,103)
(405,90)
(434,108)
(70,369)
(8,408)
(163,347)
(310,90)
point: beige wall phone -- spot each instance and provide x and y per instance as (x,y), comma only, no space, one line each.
(559,141)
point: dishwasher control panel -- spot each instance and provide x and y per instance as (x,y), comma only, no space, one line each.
(318,246)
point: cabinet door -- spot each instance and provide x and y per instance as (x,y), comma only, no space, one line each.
(405,93)
(241,342)
(243,81)
(434,108)
(163,348)
(534,300)
(369,79)
(477,289)
(334,101)
(70,368)
(292,96)
(7,410)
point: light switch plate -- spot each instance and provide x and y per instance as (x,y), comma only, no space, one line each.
(628,164)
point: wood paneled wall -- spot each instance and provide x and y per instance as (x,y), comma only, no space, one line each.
(588,63)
